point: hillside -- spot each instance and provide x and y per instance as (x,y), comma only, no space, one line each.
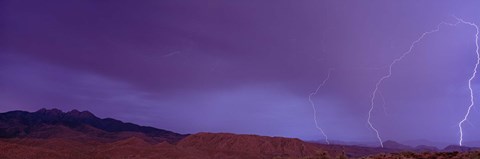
(55,134)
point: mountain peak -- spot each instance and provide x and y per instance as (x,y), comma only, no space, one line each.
(73,113)
(80,114)
(53,111)
(395,145)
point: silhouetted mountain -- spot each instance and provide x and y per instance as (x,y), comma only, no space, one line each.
(472,143)
(451,148)
(417,142)
(43,123)
(395,145)
(425,148)
(352,143)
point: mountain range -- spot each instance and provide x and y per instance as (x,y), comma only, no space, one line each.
(51,133)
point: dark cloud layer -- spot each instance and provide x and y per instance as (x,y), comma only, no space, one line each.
(243,66)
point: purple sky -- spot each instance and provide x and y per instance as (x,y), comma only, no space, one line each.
(245,66)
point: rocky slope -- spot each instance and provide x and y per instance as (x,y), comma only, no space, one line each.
(195,146)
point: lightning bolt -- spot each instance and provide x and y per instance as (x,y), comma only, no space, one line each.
(313,105)
(383,78)
(383,103)
(470,79)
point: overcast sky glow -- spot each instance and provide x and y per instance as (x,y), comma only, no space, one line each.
(245,66)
